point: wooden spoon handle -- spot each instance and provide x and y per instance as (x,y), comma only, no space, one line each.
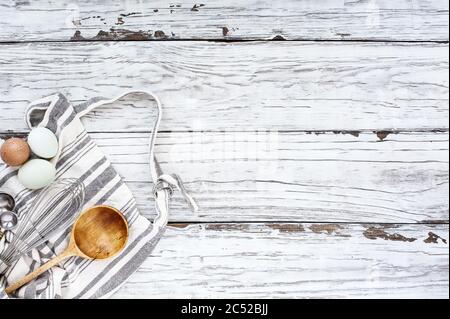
(66,254)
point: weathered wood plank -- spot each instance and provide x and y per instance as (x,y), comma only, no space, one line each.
(237,86)
(293,176)
(295,261)
(238,19)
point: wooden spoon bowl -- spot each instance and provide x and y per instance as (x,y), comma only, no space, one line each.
(101,232)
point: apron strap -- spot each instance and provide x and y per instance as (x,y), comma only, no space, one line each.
(164,184)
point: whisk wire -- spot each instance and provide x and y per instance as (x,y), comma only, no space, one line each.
(53,210)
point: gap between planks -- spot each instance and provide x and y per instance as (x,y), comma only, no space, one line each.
(21,133)
(295,222)
(371,231)
(218,40)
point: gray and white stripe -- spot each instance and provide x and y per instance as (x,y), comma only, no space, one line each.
(79,157)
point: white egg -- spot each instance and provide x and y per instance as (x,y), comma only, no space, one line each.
(43,142)
(36,174)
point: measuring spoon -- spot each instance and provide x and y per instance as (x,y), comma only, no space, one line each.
(8,218)
(100,232)
(8,221)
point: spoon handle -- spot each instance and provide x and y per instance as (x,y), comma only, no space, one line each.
(64,255)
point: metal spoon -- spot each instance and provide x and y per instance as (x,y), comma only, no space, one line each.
(7,201)
(8,219)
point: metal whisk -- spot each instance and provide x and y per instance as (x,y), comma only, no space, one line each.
(53,210)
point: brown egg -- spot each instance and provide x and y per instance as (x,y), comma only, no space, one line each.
(15,152)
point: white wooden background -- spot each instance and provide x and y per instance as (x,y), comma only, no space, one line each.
(320,162)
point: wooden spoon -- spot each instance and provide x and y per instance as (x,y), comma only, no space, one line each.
(100,232)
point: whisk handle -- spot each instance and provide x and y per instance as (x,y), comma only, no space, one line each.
(55,261)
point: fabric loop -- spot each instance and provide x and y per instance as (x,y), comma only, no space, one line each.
(156,173)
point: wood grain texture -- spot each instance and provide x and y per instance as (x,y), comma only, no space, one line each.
(266,176)
(287,146)
(424,20)
(236,86)
(294,176)
(295,261)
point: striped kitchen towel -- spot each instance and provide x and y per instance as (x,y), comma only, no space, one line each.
(79,157)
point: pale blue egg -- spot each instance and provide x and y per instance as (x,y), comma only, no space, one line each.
(43,142)
(37,174)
